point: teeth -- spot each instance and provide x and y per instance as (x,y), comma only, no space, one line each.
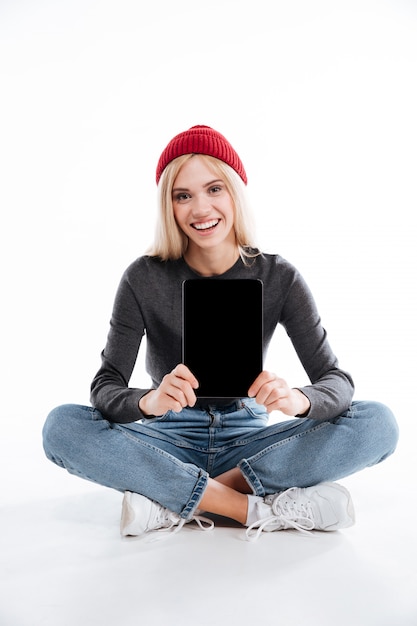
(206,225)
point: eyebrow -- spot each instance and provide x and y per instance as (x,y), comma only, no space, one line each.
(212,182)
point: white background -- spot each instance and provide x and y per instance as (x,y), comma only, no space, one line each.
(319,98)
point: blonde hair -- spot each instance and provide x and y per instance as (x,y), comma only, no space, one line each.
(170,242)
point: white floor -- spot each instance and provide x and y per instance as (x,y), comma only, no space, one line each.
(63,562)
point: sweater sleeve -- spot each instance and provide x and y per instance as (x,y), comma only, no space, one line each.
(332,388)
(110,393)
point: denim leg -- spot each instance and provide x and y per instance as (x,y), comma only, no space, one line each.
(315,452)
(78,439)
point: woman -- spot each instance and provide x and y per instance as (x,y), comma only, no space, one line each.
(174,454)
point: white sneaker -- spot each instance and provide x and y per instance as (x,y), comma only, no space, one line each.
(141,515)
(327,506)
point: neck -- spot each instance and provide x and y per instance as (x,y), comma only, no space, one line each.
(212,262)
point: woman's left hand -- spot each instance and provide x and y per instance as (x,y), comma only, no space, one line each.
(275,394)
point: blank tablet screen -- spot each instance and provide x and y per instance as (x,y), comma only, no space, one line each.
(222,334)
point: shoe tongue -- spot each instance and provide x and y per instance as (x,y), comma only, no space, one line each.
(163,519)
(290,509)
(169,519)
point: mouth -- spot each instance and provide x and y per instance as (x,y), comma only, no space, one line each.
(205,226)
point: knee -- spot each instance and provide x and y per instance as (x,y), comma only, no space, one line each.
(384,425)
(59,428)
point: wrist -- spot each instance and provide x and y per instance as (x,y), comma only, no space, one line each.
(303,403)
(143,403)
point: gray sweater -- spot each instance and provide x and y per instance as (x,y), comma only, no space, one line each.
(149,301)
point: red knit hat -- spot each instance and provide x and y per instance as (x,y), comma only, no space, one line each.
(201,140)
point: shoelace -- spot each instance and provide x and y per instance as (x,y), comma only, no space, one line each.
(285,512)
(171,525)
(203,522)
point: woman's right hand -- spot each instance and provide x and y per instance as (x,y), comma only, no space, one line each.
(175,392)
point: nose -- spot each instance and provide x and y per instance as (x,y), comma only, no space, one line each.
(201,206)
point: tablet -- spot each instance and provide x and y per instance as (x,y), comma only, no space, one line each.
(222,332)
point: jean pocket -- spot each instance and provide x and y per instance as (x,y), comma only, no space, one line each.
(157,418)
(255,410)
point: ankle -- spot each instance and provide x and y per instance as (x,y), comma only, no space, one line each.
(223,500)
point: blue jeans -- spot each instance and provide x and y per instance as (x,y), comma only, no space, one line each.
(169,459)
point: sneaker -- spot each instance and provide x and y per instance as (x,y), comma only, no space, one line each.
(327,506)
(141,515)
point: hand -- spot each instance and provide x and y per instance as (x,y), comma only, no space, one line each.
(175,392)
(275,394)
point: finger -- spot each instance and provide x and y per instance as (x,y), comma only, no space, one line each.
(188,395)
(182,371)
(275,391)
(268,393)
(175,406)
(263,378)
(181,391)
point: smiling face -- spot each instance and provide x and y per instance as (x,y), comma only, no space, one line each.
(203,208)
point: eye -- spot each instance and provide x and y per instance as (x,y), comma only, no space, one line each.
(215,189)
(181,196)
